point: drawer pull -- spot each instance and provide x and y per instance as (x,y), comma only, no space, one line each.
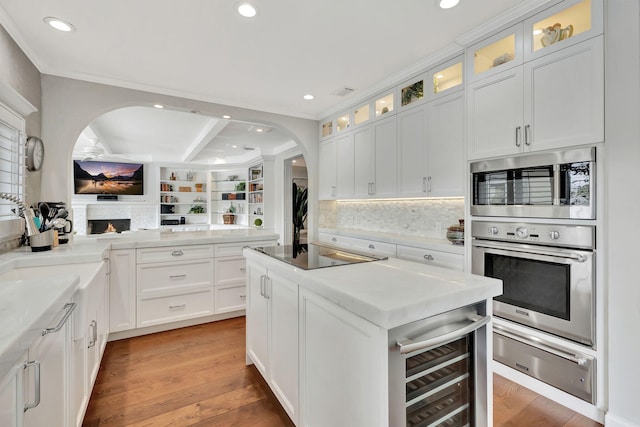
(243,269)
(172,307)
(428,257)
(177,253)
(372,247)
(333,239)
(243,296)
(177,276)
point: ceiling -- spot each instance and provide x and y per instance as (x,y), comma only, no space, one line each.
(204,50)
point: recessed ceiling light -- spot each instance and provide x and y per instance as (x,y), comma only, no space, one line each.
(234,146)
(293,161)
(159,106)
(259,130)
(246,10)
(447,4)
(308,97)
(226,116)
(59,24)
(439,76)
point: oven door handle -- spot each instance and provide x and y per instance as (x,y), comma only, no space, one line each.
(507,247)
(410,346)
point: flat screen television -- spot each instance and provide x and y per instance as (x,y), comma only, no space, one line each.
(104,177)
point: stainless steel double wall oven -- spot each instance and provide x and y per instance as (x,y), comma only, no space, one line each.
(531,228)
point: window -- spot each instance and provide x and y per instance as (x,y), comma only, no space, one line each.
(12,165)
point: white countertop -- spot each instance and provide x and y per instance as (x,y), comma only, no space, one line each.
(399,239)
(34,286)
(391,292)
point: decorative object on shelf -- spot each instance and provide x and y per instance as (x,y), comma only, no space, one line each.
(196,209)
(455,233)
(412,93)
(258,223)
(241,186)
(184,189)
(173,176)
(199,188)
(232,177)
(502,59)
(555,33)
(256,174)
(199,200)
(258,211)
(229,217)
(189,176)
(300,202)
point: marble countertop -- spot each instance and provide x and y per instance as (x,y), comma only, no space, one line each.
(391,292)
(34,286)
(399,239)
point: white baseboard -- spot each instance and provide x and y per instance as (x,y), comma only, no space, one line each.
(612,420)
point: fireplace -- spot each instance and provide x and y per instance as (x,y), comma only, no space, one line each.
(99,226)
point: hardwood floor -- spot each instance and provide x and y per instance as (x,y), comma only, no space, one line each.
(197,377)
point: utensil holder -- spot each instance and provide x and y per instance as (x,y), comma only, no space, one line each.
(42,241)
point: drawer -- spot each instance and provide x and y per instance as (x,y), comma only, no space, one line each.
(173,253)
(189,305)
(164,278)
(231,297)
(230,270)
(431,257)
(235,249)
(334,240)
(372,247)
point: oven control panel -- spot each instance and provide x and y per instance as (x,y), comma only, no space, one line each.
(574,236)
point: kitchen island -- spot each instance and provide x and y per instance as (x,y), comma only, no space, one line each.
(327,340)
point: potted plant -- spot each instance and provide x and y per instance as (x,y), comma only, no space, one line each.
(300,202)
(229,217)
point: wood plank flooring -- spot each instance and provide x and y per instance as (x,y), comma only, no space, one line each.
(197,376)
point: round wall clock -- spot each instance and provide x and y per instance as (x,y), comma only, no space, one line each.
(35,153)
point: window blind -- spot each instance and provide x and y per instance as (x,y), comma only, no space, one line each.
(12,168)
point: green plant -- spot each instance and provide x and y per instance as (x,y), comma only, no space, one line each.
(196,209)
(299,207)
(413,92)
(241,186)
(257,222)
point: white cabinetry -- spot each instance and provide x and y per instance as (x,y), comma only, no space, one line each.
(340,350)
(344,162)
(11,396)
(375,159)
(272,333)
(174,283)
(327,170)
(431,148)
(48,375)
(364,246)
(122,290)
(431,257)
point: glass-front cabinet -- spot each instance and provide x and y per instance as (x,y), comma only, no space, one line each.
(495,54)
(362,114)
(384,105)
(343,122)
(412,92)
(567,23)
(447,76)
(326,129)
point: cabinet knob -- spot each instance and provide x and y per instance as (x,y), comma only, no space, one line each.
(428,257)
(372,247)
(333,239)
(177,253)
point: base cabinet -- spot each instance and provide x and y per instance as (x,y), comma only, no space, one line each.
(340,351)
(11,396)
(272,333)
(122,290)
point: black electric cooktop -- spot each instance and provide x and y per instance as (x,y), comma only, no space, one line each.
(311,256)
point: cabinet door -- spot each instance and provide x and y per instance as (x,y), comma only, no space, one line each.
(11,400)
(494,113)
(385,137)
(412,140)
(257,318)
(344,167)
(343,366)
(52,352)
(96,328)
(364,162)
(327,170)
(122,290)
(445,147)
(283,360)
(564,97)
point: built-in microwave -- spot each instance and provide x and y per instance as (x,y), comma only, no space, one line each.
(558,184)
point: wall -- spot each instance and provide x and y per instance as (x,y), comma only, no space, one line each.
(428,218)
(20,75)
(70,105)
(622,91)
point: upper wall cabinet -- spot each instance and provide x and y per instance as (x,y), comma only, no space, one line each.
(412,92)
(446,78)
(343,122)
(384,105)
(560,26)
(495,54)
(326,129)
(362,114)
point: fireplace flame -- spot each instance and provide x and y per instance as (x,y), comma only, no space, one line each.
(110,229)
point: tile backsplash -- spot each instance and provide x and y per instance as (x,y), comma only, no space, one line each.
(427,218)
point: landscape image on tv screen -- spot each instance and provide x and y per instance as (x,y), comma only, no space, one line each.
(108,178)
